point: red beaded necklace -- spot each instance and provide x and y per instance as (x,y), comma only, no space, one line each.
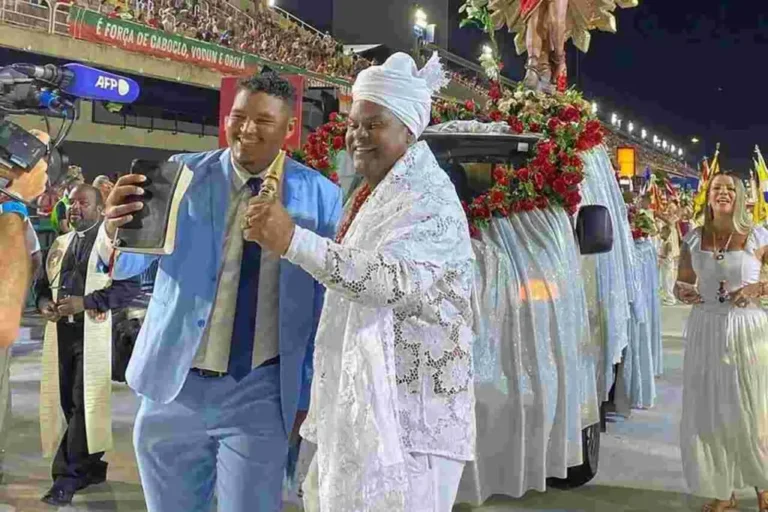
(360,198)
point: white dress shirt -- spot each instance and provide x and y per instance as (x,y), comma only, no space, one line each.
(213,353)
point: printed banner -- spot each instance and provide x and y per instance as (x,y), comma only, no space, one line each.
(135,37)
(227,98)
(92,26)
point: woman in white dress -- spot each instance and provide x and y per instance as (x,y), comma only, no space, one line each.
(724,426)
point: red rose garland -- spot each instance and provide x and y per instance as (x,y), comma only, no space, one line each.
(323,145)
(552,177)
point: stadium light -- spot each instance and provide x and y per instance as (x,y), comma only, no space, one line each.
(644,133)
(594,108)
(631,127)
(614,119)
(680,152)
(664,144)
(673,148)
(695,140)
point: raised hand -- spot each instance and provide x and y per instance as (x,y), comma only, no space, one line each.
(120,207)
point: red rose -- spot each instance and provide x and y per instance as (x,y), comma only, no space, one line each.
(637,233)
(516,124)
(593,126)
(573,198)
(495,91)
(312,139)
(583,143)
(517,207)
(538,180)
(333,116)
(523,174)
(496,116)
(323,163)
(575,161)
(334,177)
(500,174)
(321,149)
(571,210)
(570,114)
(338,142)
(497,198)
(534,127)
(546,148)
(469,105)
(560,186)
(435,120)
(528,205)
(474,231)
(571,178)
(548,169)
(503,211)
(479,208)
(553,124)
(542,202)
(564,158)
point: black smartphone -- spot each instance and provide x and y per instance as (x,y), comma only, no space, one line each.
(148,169)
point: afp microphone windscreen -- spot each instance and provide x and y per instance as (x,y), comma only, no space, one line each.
(95,84)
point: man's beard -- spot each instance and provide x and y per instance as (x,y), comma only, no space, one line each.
(83,224)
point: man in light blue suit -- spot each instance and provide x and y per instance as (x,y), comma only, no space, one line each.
(223,360)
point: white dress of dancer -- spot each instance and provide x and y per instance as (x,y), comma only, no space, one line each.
(724,426)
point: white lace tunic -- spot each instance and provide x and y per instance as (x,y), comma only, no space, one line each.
(393,367)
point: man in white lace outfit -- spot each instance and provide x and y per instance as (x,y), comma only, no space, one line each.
(392,403)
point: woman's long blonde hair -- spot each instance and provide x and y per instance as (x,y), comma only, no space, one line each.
(742,220)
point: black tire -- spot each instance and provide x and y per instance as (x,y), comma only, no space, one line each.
(580,475)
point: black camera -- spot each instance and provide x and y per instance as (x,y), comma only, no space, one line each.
(22,92)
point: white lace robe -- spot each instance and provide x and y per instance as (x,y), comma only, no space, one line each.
(393,366)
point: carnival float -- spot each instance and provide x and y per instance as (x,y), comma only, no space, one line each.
(558,300)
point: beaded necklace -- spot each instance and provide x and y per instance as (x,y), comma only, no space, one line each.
(360,198)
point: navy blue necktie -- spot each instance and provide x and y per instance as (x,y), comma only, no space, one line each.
(241,349)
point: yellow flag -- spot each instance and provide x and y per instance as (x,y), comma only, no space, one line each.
(760,211)
(707,172)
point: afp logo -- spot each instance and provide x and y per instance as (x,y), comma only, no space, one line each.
(108,83)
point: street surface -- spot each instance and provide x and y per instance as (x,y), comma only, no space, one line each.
(639,467)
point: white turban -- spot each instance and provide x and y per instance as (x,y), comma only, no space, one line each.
(402,88)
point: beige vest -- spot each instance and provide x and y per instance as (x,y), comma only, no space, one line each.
(97,363)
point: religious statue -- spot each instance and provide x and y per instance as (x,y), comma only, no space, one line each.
(542,28)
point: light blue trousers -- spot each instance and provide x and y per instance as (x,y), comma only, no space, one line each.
(218,436)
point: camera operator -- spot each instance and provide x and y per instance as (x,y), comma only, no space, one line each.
(15,271)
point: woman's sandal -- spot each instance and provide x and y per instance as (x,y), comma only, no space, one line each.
(762,500)
(722,506)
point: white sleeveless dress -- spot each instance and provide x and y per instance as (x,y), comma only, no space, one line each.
(724,426)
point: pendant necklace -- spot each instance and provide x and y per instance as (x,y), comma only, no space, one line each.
(722,292)
(720,253)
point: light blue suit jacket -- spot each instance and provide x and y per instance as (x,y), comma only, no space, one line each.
(186,282)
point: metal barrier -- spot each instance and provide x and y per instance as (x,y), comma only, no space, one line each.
(59,22)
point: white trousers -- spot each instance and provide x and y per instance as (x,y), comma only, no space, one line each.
(668,279)
(434,484)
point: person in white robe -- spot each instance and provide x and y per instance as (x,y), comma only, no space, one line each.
(392,402)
